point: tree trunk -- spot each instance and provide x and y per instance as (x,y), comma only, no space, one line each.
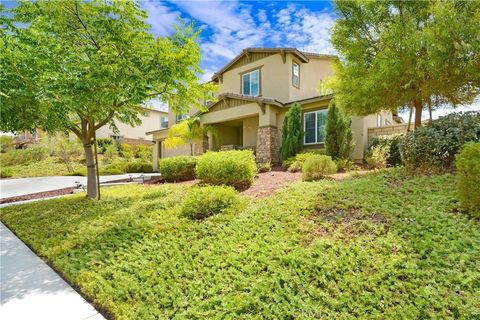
(91,173)
(191,149)
(418,112)
(410,118)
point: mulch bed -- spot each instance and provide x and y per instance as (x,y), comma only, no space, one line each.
(267,183)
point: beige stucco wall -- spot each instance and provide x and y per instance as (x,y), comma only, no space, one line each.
(149,123)
(273,78)
(311,73)
(250,130)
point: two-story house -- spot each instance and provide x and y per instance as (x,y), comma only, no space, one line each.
(256,89)
(151,119)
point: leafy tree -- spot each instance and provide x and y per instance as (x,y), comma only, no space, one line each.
(78,65)
(292,132)
(188,131)
(406,53)
(338,133)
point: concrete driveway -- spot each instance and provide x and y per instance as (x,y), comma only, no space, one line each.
(22,186)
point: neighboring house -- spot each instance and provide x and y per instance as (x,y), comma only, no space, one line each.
(256,89)
(26,138)
(152,119)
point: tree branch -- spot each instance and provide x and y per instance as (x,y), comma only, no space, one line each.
(106,120)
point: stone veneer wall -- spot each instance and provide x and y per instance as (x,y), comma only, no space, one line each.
(200,147)
(268,144)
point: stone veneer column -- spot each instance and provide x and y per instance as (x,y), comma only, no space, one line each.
(200,147)
(268,144)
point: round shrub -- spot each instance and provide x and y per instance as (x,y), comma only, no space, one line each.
(206,201)
(295,164)
(138,166)
(180,168)
(236,168)
(432,148)
(317,166)
(468,177)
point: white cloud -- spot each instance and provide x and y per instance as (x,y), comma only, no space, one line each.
(232,25)
(304,29)
(160,17)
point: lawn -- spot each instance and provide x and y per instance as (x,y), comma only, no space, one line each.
(381,246)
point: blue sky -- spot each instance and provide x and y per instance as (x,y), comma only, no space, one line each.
(230,26)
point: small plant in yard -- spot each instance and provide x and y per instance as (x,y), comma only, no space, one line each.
(179,168)
(391,142)
(317,167)
(264,167)
(110,153)
(126,151)
(468,177)
(104,143)
(236,168)
(6,172)
(344,164)
(295,164)
(205,201)
(377,157)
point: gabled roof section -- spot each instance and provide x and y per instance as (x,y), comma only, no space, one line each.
(260,53)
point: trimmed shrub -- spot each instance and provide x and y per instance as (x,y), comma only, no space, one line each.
(391,142)
(138,166)
(205,201)
(111,171)
(104,143)
(180,168)
(377,157)
(236,168)
(317,167)
(468,177)
(81,173)
(113,168)
(6,173)
(433,148)
(264,167)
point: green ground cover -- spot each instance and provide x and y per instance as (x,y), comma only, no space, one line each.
(50,166)
(378,247)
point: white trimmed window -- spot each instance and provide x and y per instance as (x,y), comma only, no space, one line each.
(163,122)
(379,120)
(314,126)
(251,83)
(296,75)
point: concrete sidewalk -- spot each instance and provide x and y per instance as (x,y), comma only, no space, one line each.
(22,186)
(30,289)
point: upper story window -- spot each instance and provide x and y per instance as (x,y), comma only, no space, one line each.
(163,122)
(251,83)
(296,75)
(180,117)
(314,125)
